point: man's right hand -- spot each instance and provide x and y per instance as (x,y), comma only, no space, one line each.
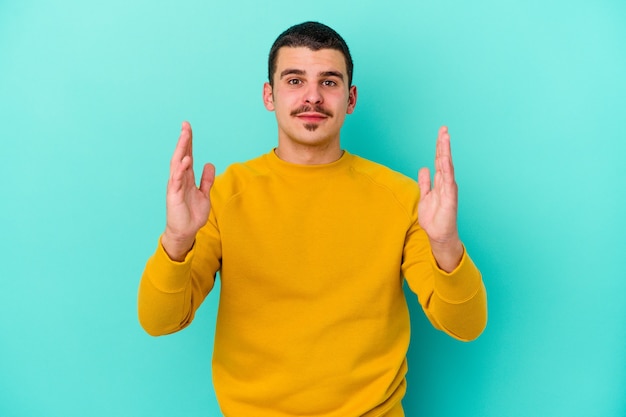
(187,206)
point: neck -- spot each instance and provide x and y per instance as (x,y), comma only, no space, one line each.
(308,155)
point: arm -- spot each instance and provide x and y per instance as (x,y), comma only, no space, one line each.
(454,302)
(171,289)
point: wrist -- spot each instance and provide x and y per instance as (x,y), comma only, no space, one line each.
(176,248)
(448,254)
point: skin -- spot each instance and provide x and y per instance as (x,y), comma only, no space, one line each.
(310,97)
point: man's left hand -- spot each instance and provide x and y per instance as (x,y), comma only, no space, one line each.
(437,208)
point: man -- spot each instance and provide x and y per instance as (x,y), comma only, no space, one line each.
(312,244)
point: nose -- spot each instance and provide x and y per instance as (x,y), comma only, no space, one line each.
(313,95)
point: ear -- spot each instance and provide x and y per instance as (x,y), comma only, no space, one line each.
(268,97)
(352,93)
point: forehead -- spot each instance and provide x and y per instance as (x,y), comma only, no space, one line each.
(308,60)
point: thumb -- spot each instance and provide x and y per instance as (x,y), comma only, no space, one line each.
(207,179)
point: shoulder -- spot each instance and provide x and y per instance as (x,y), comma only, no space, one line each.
(383,176)
(237,177)
(396,186)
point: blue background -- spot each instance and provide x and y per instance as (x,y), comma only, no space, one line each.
(92,95)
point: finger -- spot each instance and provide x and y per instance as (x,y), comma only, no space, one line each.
(443,142)
(443,130)
(444,174)
(183,146)
(443,161)
(207,179)
(180,173)
(439,152)
(446,164)
(447,170)
(423,180)
(187,127)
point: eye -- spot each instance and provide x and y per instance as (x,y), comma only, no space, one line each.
(329,83)
(294,81)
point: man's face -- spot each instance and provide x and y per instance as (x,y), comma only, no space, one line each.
(310,96)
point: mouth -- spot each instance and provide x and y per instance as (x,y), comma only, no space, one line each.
(310,117)
(311,114)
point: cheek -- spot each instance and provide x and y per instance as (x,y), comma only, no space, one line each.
(341,105)
(281,108)
(283,102)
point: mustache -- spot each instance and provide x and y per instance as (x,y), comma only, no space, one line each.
(317,109)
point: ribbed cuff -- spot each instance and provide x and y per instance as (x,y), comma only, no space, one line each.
(460,285)
(167,275)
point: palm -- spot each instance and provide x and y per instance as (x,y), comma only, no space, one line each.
(187,207)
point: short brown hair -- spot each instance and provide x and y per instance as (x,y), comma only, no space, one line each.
(312,35)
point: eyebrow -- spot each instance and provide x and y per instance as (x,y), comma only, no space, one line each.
(294,71)
(332,74)
(291,71)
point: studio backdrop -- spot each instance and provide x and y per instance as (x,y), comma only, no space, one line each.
(92,96)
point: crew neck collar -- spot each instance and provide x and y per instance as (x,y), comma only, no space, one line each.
(291,169)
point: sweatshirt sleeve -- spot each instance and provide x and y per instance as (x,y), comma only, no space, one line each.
(454,302)
(170,292)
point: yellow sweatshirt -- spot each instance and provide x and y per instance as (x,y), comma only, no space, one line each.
(312,319)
